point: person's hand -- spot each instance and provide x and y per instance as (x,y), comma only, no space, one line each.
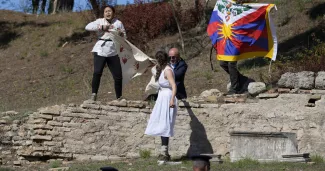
(120,33)
(105,27)
(171,103)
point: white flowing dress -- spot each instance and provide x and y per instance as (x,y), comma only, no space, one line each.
(162,118)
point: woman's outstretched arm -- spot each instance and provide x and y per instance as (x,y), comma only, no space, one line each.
(170,77)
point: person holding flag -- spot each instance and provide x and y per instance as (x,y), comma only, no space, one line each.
(240,30)
(123,59)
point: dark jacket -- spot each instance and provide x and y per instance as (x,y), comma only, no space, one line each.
(180,70)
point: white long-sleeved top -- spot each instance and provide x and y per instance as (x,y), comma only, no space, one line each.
(108,49)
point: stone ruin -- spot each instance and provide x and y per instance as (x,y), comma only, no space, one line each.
(205,124)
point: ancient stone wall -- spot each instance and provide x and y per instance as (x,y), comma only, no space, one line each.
(114,131)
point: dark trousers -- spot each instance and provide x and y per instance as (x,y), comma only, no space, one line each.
(231,69)
(165,141)
(114,66)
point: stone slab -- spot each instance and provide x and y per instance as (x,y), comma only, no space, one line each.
(261,145)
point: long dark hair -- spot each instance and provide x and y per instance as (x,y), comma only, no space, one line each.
(162,61)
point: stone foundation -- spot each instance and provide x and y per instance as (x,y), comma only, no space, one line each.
(115,130)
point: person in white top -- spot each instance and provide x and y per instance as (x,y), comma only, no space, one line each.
(105,51)
(163,116)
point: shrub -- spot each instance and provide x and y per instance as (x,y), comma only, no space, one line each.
(145,21)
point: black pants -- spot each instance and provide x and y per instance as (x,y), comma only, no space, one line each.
(231,69)
(114,66)
(165,141)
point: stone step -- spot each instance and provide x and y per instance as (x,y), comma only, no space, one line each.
(304,155)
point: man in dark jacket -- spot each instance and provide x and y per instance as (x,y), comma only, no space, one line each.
(180,67)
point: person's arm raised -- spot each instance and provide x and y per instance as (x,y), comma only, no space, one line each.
(170,77)
(95,26)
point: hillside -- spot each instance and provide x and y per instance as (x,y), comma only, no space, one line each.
(46,59)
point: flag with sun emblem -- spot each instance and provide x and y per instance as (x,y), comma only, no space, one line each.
(242,31)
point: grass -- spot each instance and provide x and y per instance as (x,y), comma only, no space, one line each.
(150,164)
(55,164)
(5,169)
(317,159)
(145,154)
(52,74)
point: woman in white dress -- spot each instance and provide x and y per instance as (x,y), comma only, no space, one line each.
(162,118)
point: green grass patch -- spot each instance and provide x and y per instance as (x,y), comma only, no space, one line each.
(317,159)
(145,154)
(55,164)
(5,169)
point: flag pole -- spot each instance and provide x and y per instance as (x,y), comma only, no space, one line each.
(270,69)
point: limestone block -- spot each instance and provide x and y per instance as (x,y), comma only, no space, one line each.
(37,121)
(71,125)
(129,109)
(10,113)
(116,158)
(40,137)
(40,132)
(53,133)
(54,110)
(99,158)
(137,104)
(82,157)
(37,154)
(62,119)
(79,115)
(44,116)
(212,92)
(145,110)
(2,121)
(256,88)
(90,106)
(42,126)
(119,103)
(262,146)
(17,163)
(54,123)
(304,80)
(320,80)
(268,95)
(61,129)
(93,111)
(132,155)
(40,148)
(63,155)
(53,143)
(109,108)
(78,110)
(210,105)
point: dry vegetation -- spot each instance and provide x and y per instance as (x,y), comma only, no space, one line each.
(35,70)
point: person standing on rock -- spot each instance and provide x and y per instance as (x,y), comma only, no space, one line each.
(180,67)
(162,118)
(105,52)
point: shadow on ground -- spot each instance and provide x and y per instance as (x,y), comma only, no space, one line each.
(199,143)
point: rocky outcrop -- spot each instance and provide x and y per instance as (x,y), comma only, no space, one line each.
(320,80)
(301,80)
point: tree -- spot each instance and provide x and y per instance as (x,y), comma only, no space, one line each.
(172,4)
(60,5)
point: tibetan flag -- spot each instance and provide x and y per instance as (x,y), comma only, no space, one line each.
(242,31)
